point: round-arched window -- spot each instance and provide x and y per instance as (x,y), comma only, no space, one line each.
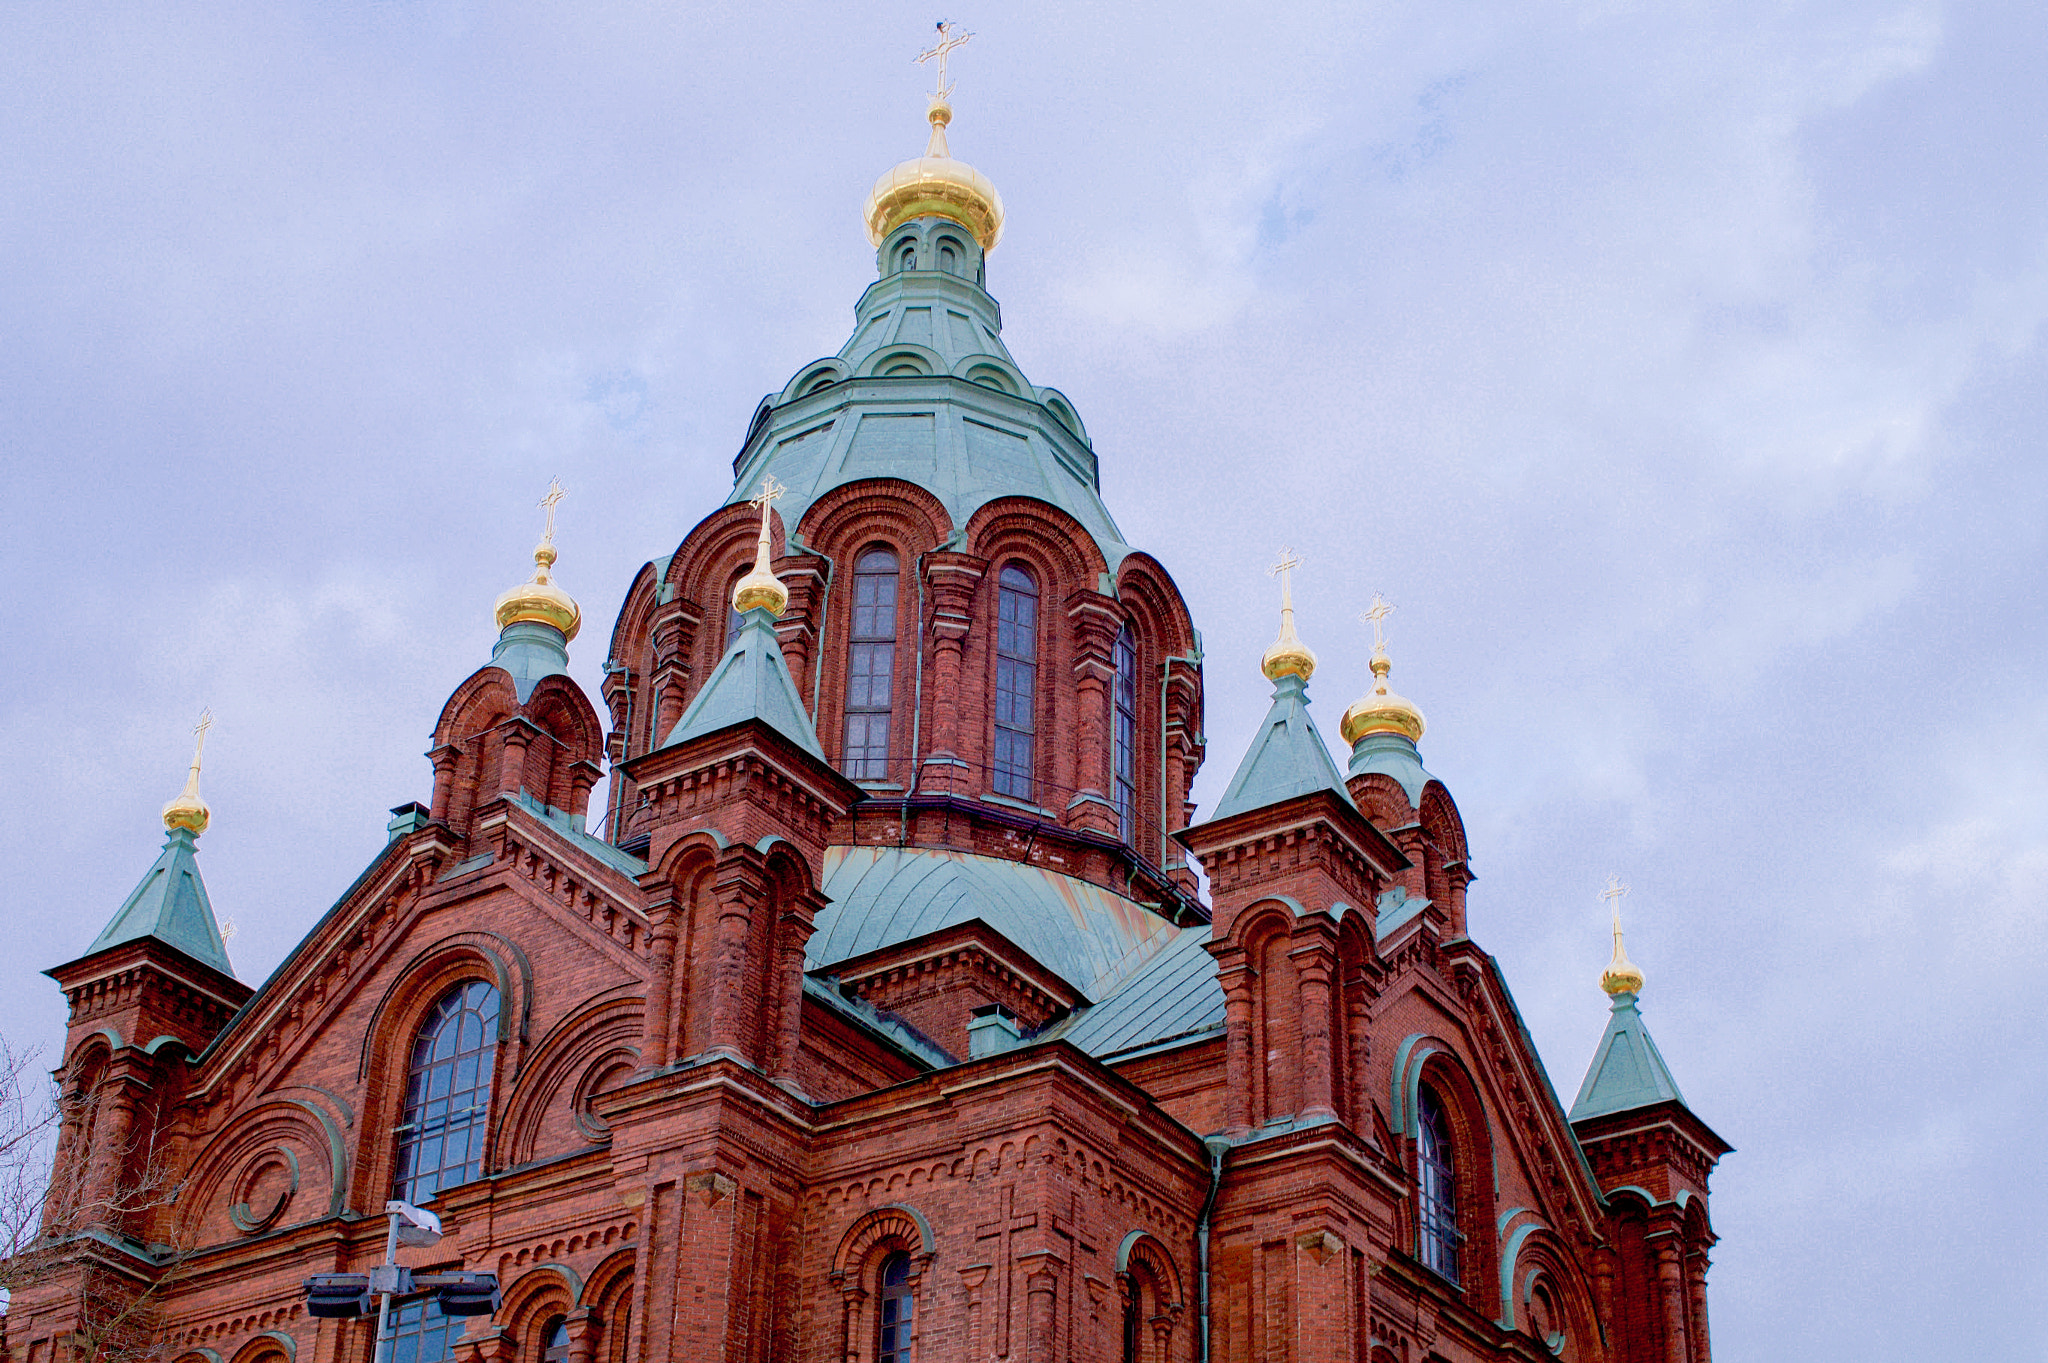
(554,1341)
(871,666)
(892,1319)
(447,1094)
(1437,1206)
(906,259)
(1016,680)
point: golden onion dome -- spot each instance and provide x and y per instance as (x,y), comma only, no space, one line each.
(1622,975)
(1380,711)
(761,587)
(935,185)
(1288,656)
(539,601)
(187,810)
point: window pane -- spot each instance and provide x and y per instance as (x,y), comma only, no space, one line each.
(448,1093)
(871,666)
(1124,736)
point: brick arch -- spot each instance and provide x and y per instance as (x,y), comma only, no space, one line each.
(716,552)
(560,1060)
(882,508)
(880,1230)
(314,1148)
(466,761)
(1038,532)
(1141,1248)
(534,1298)
(387,1042)
(1380,798)
(271,1344)
(1440,1065)
(684,927)
(1145,587)
(608,1295)
(1533,1252)
(561,710)
(1352,992)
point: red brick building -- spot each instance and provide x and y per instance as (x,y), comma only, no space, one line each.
(883,1019)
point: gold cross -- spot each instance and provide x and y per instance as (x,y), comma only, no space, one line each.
(199,732)
(1613,894)
(948,40)
(1286,566)
(1376,617)
(770,491)
(548,504)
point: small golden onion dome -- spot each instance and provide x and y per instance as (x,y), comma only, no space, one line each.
(540,601)
(1622,975)
(935,185)
(187,810)
(761,587)
(1380,711)
(1288,656)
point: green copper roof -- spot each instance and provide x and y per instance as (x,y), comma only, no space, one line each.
(529,651)
(1391,755)
(1286,759)
(925,391)
(1093,939)
(1627,1072)
(750,682)
(171,905)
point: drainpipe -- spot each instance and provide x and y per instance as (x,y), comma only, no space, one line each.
(612,669)
(791,538)
(1218,1147)
(916,708)
(1165,675)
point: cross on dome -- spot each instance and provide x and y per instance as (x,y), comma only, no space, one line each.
(548,504)
(948,40)
(1377,617)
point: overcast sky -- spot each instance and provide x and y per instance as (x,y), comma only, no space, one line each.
(1677,369)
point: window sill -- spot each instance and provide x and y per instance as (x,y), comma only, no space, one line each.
(1011,802)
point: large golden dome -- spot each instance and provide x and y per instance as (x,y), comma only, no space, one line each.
(540,601)
(935,185)
(1380,711)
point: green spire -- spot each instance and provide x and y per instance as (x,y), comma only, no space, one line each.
(1286,759)
(171,905)
(1627,1071)
(750,682)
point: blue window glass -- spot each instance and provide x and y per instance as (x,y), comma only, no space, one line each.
(448,1094)
(1016,681)
(421,1334)
(892,1321)
(871,666)
(1437,1205)
(1124,737)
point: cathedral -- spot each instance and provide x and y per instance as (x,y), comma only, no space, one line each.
(895,1005)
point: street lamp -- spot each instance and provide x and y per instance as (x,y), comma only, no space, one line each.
(345,1296)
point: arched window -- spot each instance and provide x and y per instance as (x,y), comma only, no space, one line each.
(421,1334)
(1437,1206)
(1016,680)
(554,1341)
(871,666)
(907,258)
(448,1094)
(1124,737)
(892,1320)
(949,259)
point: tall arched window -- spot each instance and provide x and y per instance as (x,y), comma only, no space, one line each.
(949,259)
(892,1320)
(1437,1206)
(554,1341)
(1124,737)
(906,259)
(448,1094)
(1016,680)
(871,666)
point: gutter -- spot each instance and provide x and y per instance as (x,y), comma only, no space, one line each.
(1218,1147)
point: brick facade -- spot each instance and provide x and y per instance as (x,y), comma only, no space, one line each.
(703,1141)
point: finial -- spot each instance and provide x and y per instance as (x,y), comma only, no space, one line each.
(187,810)
(943,48)
(1622,975)
(1288,656)
(761,587)
(1380,711)
(538,600)
(935,185)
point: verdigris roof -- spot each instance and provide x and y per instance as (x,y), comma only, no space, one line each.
(1287,757)
(171,905)
(1627,1071)
(1092,939)
(925,391)
(750,682)
(1176,994)
(1391,755)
